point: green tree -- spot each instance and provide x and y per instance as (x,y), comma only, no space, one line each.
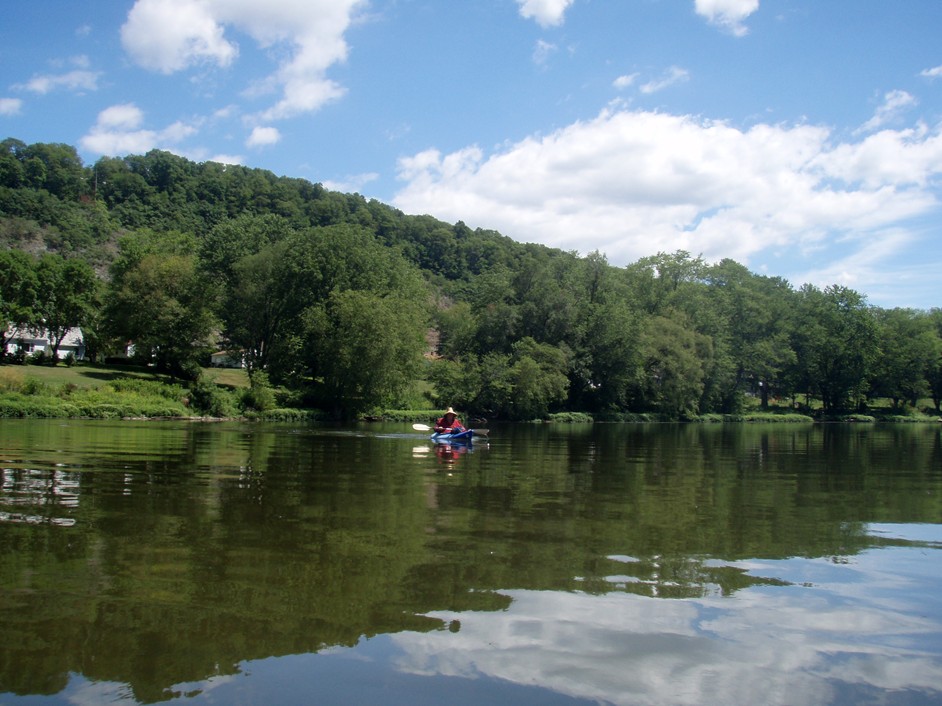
(18,291)
(673,370)
(755,323)
(261,301)
(908,345)
(234,239)
(538,379)
(67,296)
(365,348)
(160,302)
(835,345)
(934,366)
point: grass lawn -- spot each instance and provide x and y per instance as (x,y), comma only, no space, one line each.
(84,375)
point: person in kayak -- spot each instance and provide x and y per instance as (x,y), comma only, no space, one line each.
(448,423)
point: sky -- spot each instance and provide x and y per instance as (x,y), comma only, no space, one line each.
(801,138)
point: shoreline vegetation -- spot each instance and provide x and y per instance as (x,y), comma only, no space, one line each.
(91,391)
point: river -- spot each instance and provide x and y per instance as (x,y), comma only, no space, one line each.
(249,563)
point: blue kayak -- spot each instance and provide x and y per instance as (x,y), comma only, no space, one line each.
(463,436)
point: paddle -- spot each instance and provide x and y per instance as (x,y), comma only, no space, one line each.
(426,427)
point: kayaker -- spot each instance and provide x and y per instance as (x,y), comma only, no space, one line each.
(448,423)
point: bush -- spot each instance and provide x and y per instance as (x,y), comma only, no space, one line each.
(258,397)
(210,400)
(34,386)
(571,417)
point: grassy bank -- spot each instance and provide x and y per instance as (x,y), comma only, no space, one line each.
(113,392)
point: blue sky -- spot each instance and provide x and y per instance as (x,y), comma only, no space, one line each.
(801,138)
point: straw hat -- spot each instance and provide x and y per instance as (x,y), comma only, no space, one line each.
(451,411)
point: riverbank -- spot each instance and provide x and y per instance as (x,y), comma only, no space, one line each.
(127,392)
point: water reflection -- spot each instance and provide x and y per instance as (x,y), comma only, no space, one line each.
(149,562)
(825,636)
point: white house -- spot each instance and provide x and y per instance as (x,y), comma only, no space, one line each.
(227,359)
(30,341)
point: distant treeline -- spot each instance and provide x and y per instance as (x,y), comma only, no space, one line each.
(355,305)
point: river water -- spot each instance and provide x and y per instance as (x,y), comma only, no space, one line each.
(239,563)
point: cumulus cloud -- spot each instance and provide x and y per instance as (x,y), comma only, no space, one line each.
(10,106)
(632,183)
(547,13)
(263,136)
(172,35)
(934,72)
(119,130)
(728,14)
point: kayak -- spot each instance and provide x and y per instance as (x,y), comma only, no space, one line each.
(462,436)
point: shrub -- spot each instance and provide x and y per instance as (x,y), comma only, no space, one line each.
(210,400)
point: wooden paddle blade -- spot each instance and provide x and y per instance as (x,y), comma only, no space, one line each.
(422,427)
(481,432)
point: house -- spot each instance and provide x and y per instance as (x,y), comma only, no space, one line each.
(31,341)
(227,359)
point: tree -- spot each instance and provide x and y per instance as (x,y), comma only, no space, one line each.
(261,300)
(908,345)
(673,367)
(365,348)
(237,238)
(67,296)
(161,303)
(538,379)
(755,322)
(835,345)
(934,366)
(18,287)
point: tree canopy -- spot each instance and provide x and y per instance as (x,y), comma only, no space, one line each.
(339,296)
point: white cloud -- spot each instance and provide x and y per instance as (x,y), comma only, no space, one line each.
(543,51)
(728,14)
(263,136)
(624,81)
(894,104)
(547,13)
(672,76)
(10,106)
(79,79)
(118,131)
(935,72)
(73,81)
(172,35)
(351,184)
(634,183)
(227,159)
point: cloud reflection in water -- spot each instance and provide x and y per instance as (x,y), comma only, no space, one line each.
(838,631)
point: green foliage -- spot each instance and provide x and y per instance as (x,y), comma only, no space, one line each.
(330,294)
(364,347)
(835,344)
(909,345)
(259,396)
(208,399)
(159,300)
(673,368)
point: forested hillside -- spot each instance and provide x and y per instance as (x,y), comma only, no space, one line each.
(336,297)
